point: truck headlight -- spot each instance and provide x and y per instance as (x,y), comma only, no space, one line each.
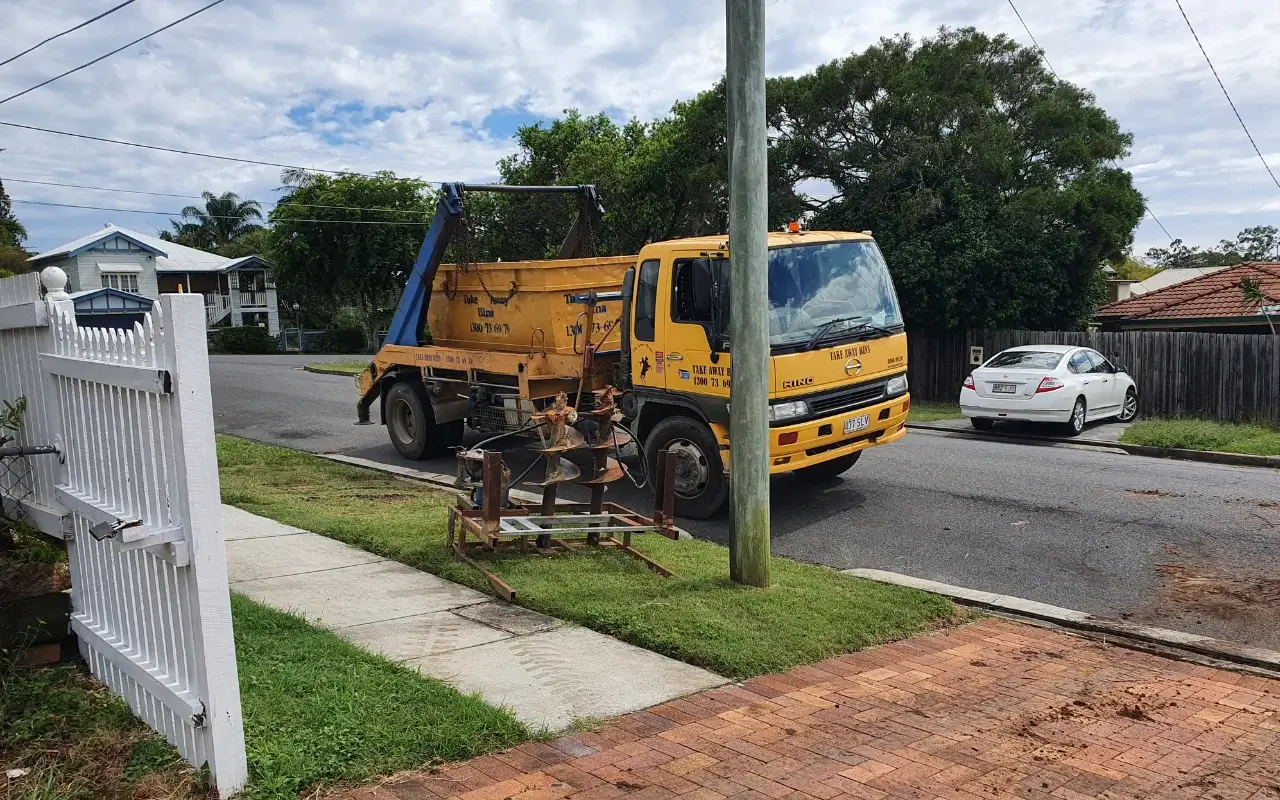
(791,410)
(896,385)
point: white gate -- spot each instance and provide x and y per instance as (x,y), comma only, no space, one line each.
(134,491)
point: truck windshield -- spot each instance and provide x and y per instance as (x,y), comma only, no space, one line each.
(842,286)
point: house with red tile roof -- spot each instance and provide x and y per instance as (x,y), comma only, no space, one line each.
(1213,303)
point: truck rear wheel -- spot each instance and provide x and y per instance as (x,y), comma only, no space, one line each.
(829,470)
(701,485)
(411,423)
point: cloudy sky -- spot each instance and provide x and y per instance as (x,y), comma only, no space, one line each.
(436,89)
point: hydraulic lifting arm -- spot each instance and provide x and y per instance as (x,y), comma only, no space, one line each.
(408,325)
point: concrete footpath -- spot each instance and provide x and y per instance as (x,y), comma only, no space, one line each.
(989,710)
(547,673)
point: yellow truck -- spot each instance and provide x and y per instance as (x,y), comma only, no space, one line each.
(489,345)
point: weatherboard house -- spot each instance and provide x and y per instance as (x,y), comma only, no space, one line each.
(114,275)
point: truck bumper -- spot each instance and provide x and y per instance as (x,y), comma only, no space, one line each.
(819,440)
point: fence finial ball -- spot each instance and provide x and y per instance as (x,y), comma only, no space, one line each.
(55,283)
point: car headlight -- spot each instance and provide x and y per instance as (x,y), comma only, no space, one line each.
(896,385)
(791,410)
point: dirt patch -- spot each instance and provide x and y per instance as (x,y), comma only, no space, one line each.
(1219,595)
(1153,493)
(1137,703)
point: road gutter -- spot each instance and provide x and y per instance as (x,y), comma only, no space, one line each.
(1256,657)
(1207,456)
(327,371)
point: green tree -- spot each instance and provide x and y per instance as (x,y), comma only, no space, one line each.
(223,219)
(12,233)
(255,242)
(1131,269)
(1179,255)
(1254,296)
(1259,243)
(989,183)
(658,180)
(353,259)
(13,258)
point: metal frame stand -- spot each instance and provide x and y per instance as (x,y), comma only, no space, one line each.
(567,528)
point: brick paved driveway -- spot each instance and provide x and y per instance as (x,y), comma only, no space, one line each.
(993,709)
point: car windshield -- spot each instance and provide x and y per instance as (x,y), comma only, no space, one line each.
(1025,359)
(839,285)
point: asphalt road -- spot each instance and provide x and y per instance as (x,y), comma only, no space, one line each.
(1183,545)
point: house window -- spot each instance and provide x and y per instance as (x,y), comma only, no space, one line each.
(124,281)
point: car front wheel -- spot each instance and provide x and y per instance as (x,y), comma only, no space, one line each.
(1129,409)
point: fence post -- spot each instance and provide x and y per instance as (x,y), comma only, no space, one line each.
(182,318)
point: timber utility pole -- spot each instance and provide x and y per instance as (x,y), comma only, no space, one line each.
(749,293)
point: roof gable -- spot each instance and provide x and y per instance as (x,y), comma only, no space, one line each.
(1216,295)
(170,256)
(96,240)
(110,301)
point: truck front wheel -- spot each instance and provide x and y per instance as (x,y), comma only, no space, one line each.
(411,423)
(701,485)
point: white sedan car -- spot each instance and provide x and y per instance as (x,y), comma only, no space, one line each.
(1048,383)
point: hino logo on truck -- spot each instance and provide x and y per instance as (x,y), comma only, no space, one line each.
(791,384)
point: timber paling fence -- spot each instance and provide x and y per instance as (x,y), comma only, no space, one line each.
(1225,376)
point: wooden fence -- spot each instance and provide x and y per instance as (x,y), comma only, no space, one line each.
(133,489)
(1225,376)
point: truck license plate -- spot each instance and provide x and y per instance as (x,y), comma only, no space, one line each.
(1004,388)
(857,423)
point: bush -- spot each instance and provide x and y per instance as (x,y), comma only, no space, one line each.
(343,340)
(246,340)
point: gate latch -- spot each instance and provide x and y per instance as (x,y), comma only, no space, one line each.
(112,528)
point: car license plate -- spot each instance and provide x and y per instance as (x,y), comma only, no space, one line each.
(857,423)
(1004,388)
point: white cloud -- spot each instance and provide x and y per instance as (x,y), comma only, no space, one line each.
(408,86)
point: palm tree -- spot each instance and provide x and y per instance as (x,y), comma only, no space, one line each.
(222,220)
(1254,296)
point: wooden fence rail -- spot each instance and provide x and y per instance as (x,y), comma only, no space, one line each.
(1234,377)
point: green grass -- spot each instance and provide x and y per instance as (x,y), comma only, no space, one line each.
(78,741)
(930,411)
(346,367)
(319,710)
(698,616)
(1201,434)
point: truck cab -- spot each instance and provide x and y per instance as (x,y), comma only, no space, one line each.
(837,366)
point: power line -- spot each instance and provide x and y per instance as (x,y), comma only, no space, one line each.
(197,153)
(212,216)
(64,33)
(1157,221)
(1227,95)
(1054,72)
(201,197)
(113,52)
(1039,49)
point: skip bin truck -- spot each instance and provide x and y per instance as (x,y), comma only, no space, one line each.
(489,345)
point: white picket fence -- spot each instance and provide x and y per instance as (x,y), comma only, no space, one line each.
(134,491)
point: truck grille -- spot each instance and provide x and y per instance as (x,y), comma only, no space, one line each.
(826,403)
